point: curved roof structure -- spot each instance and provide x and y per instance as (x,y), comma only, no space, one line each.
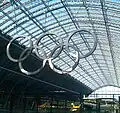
(106,92)
(33,18)
(44,83)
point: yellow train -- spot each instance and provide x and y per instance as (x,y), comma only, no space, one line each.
(74,107)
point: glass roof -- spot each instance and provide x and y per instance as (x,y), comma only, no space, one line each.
(32,18)
(106,92)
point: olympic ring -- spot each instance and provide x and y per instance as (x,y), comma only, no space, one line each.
(25,71)
(38,47)
(8,50)
(70,69)
(44,57)
(94,45)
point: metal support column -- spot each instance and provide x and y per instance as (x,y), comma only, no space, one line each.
(119,104)
(97,105)
(37,103)
(57,104)
(81,104)
(11,103)
(65,106)
(51,104)
(113,103)
(24,104)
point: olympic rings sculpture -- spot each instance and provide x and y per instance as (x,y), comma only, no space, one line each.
(44,57)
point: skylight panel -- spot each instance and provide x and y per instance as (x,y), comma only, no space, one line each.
(55,19)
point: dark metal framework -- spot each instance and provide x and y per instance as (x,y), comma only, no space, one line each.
(39,104)
(32,18)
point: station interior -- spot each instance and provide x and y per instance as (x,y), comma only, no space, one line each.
(59,56)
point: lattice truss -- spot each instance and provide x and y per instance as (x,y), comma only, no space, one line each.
(32,18)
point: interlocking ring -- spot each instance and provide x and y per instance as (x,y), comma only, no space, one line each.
(94,45)
(37,46)
(60,47)
(70,69)
(22,58)
(25,71)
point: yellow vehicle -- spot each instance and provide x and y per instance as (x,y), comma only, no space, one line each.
(74,107)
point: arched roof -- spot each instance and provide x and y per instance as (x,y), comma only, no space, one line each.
(106,92)
(46,82)
(32,18)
